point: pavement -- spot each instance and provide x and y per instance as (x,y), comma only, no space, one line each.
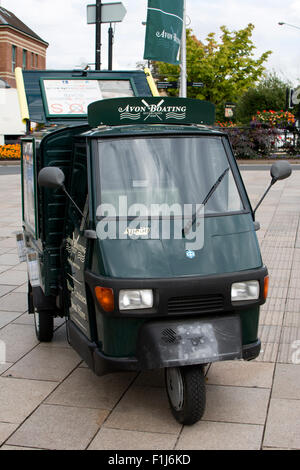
(49,399)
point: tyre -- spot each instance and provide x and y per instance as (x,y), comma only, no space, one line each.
(186,393)
(44,325)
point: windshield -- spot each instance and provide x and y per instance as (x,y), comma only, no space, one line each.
(168,170)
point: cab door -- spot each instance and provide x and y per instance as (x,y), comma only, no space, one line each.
(76,245)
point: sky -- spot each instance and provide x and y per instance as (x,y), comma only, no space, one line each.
(63,24)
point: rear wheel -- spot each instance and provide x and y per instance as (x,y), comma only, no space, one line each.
(186,392)
(44,325)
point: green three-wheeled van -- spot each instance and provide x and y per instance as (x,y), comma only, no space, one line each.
(137,228)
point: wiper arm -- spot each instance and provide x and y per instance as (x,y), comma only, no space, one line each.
(215,186)
(209,195)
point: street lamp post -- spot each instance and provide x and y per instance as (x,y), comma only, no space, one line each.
(98,33)
(281,23)
(183,73)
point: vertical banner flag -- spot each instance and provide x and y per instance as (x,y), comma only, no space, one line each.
(164,30)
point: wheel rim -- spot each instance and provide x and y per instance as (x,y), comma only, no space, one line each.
(175,387)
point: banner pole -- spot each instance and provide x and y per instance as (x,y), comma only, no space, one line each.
(183,74)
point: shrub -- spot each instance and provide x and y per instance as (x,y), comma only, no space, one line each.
(252,142)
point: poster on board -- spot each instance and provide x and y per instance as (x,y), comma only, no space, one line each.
(70,98)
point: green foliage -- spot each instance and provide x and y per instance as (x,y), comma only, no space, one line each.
(227,68)
(269,94)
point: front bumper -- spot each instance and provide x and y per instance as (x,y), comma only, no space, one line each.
(171,344)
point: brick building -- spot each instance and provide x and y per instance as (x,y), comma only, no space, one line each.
(19,47)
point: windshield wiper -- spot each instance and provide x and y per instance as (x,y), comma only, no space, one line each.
(214,187)
(207,198)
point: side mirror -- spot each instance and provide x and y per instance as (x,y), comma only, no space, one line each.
(51,177)
(280,171)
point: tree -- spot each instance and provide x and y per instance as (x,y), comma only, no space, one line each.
(227,68)
(269,94)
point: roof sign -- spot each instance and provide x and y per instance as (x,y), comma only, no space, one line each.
(115,112)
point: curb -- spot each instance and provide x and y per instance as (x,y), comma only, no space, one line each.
(10,163)
(266,162)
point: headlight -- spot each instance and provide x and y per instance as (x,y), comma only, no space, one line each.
(248,290)
(135,299)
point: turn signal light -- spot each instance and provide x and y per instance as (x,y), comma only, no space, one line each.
(266,287)
(105,297)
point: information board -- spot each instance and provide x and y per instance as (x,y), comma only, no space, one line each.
(71,98)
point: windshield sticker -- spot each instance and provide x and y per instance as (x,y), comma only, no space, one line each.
(190,254)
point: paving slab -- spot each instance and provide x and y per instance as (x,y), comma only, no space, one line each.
(241,374)
(291,319)
(84,389)
(13,448)
(45,364)
(269,333)
(290,334)
(7,317)
(283,424)
(293,305)
(236,404)
(7,232)
(3,251)
(3,269)
(277,292)
(271,305)
(23,288)
(15,278)
(144,409)
(268,353)
(25,319)
(286,381)
(9,259)
(19,398)
(279,277)
(59,428)
(293,293)
(271,318)
(4,289)
(6,429)
(19,340)
(220,436)
(20,267)
(14,302)
(116,439)
(289,353)
(5,366)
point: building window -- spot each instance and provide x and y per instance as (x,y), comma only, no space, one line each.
(24,64)
(36,61)
(32,60)
(13,58)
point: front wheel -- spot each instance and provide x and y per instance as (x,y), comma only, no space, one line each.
(186,393)
(44,325)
